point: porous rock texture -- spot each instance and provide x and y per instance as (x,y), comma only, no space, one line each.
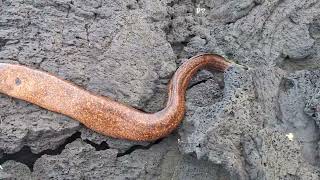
(14,170)
(256,123)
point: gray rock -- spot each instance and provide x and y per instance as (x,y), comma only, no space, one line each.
(260,111)
(161,161)
(256,33)
(296,91)
(14,170)
(80,160)
(178,166)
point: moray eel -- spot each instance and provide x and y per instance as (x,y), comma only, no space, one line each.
(100,113)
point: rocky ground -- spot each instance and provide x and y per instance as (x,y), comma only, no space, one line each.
(261,123)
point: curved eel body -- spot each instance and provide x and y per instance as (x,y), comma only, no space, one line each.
(103,114)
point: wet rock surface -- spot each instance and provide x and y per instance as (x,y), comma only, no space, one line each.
(260,123)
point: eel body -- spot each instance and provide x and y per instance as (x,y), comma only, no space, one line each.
(100,113)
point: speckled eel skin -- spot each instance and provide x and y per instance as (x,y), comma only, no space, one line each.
(103,114)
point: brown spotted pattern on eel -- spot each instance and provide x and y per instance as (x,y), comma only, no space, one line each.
(103,114)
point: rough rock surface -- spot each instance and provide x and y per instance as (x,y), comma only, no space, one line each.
(96,164)
(14,170)
(261,123)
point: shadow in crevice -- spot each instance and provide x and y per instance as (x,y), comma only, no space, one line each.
(27,157)
(99,147)
(136,147)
